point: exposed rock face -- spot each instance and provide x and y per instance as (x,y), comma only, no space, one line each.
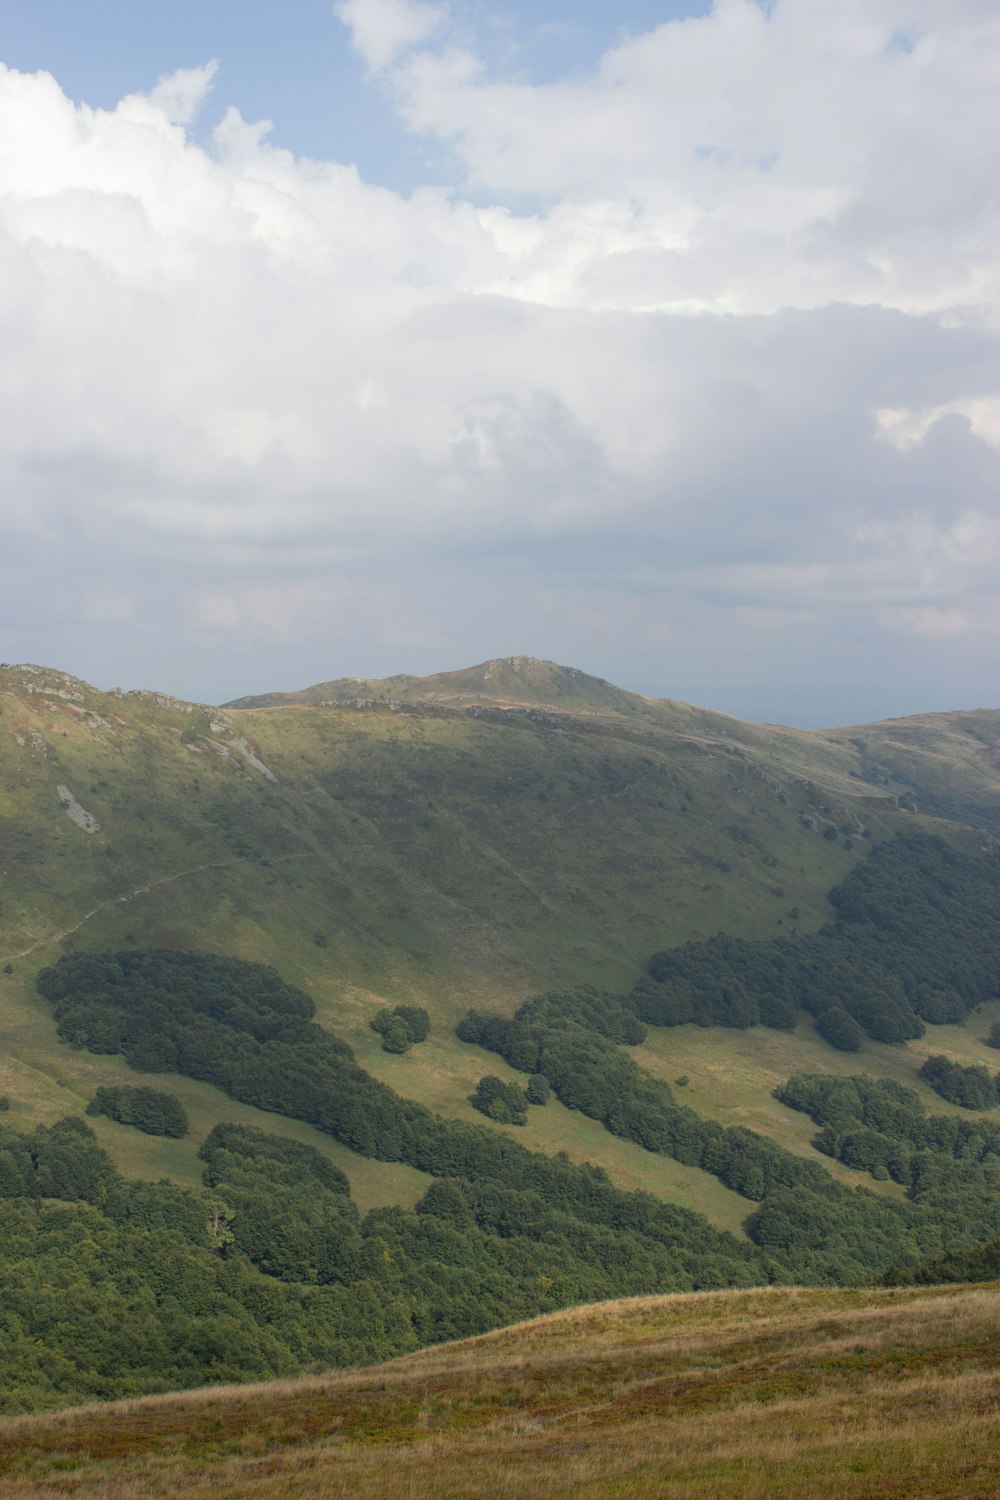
(76,813)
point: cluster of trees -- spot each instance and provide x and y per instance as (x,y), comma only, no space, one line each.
(879,1126)
(912,943)
(503,1102)
(970,1087)
(268,1052)
(400,1027)
(148,1110)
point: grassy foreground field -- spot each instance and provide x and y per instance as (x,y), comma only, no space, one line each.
(837,1395)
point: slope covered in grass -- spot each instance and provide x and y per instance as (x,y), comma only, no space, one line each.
(790,1394)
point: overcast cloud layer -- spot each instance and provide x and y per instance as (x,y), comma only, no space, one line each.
(686,372)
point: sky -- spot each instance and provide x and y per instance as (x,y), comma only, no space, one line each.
(661,340)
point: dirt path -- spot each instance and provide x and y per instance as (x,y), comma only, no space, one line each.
(140,890)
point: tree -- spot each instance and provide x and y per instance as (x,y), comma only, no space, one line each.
(400,1027)
(395,1037)
(839,1029)
(415,1019)
(538,1089)
(220,1233)
(503,1102)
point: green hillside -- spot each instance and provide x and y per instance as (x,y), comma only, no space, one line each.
(480,836)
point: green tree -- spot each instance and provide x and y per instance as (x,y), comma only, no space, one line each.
(839,1029)
(500,1101)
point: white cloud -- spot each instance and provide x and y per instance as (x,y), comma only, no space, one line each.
(110,605)
(383,29)
(929,623)
(181,95)
(750,158)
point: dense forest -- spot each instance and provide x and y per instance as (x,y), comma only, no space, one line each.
(879,1126)
(114,1288)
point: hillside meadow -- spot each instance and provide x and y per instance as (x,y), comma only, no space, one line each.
(787,1394)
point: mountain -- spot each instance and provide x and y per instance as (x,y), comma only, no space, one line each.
(241,912)
(845,1394)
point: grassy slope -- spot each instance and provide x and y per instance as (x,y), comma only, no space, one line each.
(816,1395)
(441,857)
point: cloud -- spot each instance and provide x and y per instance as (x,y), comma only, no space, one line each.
(748,159)
(708,361)
(381,30)
(179,96)
(936,624)
(906,429)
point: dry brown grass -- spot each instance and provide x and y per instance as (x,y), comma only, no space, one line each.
(837,1395)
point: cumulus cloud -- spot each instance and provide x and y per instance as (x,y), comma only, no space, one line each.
(691,352)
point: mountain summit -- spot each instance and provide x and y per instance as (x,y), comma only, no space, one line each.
(507,681)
